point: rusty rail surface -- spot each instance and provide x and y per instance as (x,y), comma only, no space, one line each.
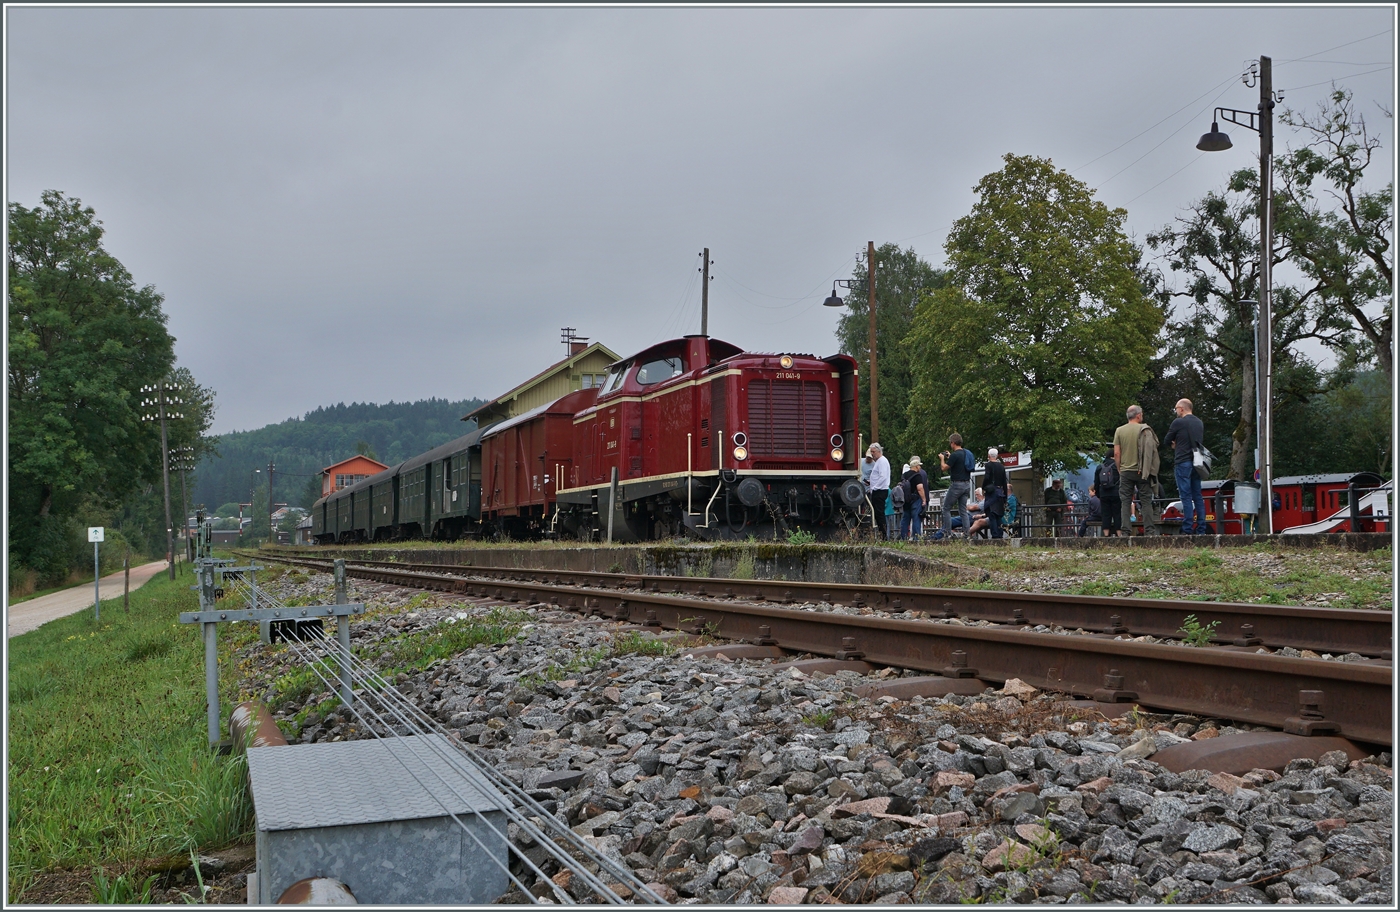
(1324,630)
(1307,696)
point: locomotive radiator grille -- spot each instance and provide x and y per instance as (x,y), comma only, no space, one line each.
(787,418)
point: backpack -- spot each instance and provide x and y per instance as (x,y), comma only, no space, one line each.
(1108,476)
(897,496)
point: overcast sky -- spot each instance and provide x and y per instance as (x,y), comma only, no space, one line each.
(394,204)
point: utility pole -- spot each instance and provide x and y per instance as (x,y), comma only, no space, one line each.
(705,264)
(1264,341)
(271,534)
(874,373)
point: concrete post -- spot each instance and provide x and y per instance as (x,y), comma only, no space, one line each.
(211,678)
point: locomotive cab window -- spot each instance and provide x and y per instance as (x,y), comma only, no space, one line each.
(658,370)
(615,378)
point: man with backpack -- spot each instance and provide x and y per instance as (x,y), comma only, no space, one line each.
(1187,436)
(1110,506)
(1135,452)
(994,485)
(957,465)
(915,485)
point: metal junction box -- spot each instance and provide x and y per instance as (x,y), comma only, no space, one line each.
(374,815)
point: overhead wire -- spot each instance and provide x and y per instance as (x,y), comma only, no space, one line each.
(1336,47)
(373,684)
(1336,80)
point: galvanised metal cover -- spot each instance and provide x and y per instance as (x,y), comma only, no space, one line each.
(374,814)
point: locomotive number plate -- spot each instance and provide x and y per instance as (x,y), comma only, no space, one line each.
(789,375)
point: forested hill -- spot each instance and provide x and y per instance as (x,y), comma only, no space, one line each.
(301,447)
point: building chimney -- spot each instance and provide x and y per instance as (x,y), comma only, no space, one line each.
(576,348)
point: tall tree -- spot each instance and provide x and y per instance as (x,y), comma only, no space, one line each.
(83,339)
(901,277)
(1339,231)
(1044,328)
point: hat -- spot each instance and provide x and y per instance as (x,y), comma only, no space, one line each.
(906,467)
(915,461)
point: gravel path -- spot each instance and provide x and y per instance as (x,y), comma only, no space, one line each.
(30,615)
(740,782)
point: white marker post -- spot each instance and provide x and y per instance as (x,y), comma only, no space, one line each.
(95,535)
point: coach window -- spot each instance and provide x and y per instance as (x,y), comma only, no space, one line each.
(659,370)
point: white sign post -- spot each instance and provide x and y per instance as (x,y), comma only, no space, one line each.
(95,535)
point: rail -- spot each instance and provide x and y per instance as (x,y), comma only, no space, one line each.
(1309,695)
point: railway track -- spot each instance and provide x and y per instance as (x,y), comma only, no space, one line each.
(1305,696)
(1324,630)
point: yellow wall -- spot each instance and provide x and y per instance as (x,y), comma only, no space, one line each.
(565,380)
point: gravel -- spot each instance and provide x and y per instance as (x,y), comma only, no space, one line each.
(733,782)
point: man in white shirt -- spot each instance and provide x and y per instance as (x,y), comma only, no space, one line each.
(879,483)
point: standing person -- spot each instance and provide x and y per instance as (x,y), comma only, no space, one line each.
(1110,506)
(894,508)
(915,484)
(994,485)
(957,465)
(1055,502)
(879,484)
(1013,510)
(1135,477)
(1095,511)
(1187,433)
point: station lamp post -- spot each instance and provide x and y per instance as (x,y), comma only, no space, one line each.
(161,399)
(182,461)
(1262,122)
(835,301)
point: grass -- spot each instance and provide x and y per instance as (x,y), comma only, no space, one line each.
(633,643)
(1261,573)
(1194,633)
(819,719)
(411,652)
(108,758)
(557,671)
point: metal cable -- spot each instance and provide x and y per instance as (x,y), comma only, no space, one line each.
(312,662)
(372,682)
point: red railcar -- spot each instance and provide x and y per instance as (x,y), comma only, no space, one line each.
(522,459)
(1305,503)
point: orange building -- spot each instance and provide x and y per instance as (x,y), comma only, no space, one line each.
(347,472)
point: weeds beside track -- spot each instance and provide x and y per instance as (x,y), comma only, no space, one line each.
(108,759)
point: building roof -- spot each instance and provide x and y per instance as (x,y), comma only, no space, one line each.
(335,465)
(543,375)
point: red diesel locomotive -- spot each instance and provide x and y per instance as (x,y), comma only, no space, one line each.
(691,435)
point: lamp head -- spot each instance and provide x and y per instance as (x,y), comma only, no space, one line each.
(834,301)
(1214,141)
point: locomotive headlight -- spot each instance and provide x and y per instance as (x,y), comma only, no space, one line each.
(741,453)
(786,362)
(836,454)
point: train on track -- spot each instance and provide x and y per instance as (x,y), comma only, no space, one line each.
(691,436)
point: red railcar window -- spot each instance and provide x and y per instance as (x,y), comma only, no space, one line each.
(787,418)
